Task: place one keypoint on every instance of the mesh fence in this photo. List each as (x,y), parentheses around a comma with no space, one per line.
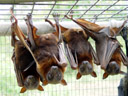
(86,86)
(99,10)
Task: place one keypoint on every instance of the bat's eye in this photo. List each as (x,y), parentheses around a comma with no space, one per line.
(58,76)
(50,77)
(117,70)
(82,69)
(90,68)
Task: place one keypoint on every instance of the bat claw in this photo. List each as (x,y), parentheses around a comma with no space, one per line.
(68,17)
(46,20)
(56,16)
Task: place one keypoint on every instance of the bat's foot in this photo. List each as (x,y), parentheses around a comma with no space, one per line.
(56,16)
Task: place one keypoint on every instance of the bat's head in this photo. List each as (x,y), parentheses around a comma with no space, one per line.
(85,68)
(31,82)
(54,75)
(112,68)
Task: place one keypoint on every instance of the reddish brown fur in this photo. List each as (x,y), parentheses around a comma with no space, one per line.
(46,47)
(116,57)
(96,28)
(21,61)
(77,40)
(113,31)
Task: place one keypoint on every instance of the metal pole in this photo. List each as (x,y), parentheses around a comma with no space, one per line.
(123,87)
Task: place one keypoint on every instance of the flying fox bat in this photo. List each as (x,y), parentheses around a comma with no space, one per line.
(27,79)
(80,53)
(48,55)
(108,49)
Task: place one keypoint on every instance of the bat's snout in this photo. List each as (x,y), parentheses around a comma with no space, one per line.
(31,82)
(85,68)
(113,68)
(54,75)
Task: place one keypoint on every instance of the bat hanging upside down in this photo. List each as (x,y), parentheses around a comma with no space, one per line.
(46,51)
(79,51)
(28,79)
(108,48)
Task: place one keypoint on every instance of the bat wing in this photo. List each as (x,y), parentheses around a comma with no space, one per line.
(70,57)
(108,52)
(62,59)
(31,31)
(90,28)
(105,31)
(93,53)
(124,58)
(62,56)
(18,72)
(21,36)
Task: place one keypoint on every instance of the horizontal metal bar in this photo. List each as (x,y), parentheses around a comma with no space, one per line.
(67,4)
(61,10)
(61,18)
(20,1)
(72,14)
(43,27)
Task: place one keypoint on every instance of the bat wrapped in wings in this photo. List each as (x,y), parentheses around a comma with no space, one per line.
(28,78)
(79,51)
(46,52)
(108,48)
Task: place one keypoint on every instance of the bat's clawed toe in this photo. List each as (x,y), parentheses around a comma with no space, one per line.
(67,17)
(56,16)
(46,20)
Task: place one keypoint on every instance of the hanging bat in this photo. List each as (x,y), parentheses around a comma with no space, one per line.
(80,53)
(46,53)
(27,79)
(108,48)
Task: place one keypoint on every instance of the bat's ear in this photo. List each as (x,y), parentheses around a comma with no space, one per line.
(78,75)
(23,89)
(105,75)
(40,88)
(94,74)
(45,82)
(63,82)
